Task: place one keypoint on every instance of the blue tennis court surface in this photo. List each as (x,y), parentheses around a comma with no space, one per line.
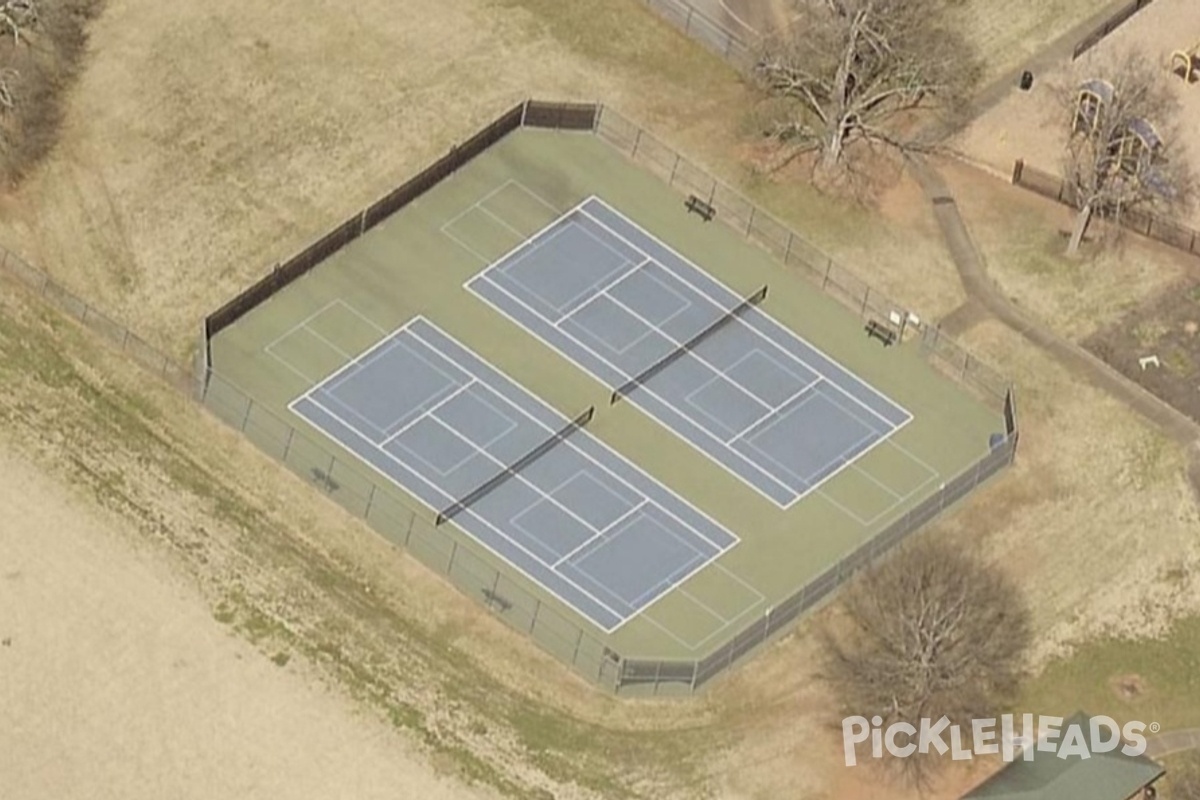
(754,396)
(583,522)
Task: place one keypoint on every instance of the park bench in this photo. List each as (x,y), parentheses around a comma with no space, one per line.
(705,210)
(877,330)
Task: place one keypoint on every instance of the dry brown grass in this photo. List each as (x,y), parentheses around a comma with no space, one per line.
(1022,238)
(207,140)
(1033,125)
(45,57)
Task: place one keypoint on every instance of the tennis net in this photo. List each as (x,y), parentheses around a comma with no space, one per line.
(524,461)
(688,346)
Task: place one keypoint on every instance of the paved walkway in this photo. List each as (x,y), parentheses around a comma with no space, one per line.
(1172,742)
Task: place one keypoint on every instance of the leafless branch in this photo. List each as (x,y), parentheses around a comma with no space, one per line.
(1122,122)
(930,632)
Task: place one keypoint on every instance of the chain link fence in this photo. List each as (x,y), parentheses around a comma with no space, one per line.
(770,233)
(316,460)
(739,50)
(324,465)
(110,331)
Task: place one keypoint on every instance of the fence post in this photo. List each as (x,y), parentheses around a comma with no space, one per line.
(370,502)
(750,222)
(246,417)
(866,296)
(828,266)
(1018,168)
(787,250)
(687,23)
(578,642)
(408,534)
(637,139)
(287,448)
(537,607)
(674,167)
(453,553)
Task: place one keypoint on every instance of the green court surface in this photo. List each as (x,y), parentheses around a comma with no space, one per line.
(416,262)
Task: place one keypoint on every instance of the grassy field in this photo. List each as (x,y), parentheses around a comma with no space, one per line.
(207,141)
(409,266)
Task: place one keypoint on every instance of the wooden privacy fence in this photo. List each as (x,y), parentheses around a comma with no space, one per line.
(1169,232)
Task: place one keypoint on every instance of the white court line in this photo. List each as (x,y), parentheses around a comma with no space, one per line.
(307,379)
(622,619)
(481,519)
(479,205)
(836,459)
(516,475)
(301,324)
(787,353)
(650,331)
(466,247)
(624,273)
(505,269)
(429,411)
(601,533)
(626,376)
(693,646)
(778,325)
(773,411)
(702,604)
(875,480)
(493,263)
(534,195)
(617,455)
(492,193)
(719,373)
(869,523)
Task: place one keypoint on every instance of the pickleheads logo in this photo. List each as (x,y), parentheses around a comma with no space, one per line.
(1038,734)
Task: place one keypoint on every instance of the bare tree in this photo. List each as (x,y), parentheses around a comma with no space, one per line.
(1123,119)
(929,633)
(856,70)
(17,16)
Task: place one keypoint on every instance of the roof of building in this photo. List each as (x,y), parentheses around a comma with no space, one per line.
(1102,776)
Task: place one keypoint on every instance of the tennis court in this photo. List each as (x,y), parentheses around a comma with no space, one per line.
(531,486)
(641,532)
(713,368)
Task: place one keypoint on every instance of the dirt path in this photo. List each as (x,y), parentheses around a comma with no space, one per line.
(984,295)
(116,682)
(1167,744)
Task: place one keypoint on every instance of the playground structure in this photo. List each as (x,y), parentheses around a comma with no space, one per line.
(1186,63)
(1134,147)
(1093,96)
